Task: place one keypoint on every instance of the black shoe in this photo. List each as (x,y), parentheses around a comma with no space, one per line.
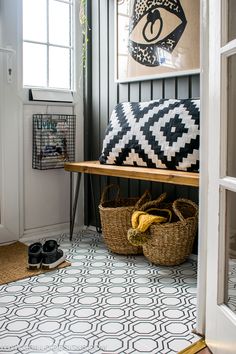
(52,256)
(35,255)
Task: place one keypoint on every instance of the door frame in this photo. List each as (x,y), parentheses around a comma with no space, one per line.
(9,159)
(204,175)
(220,322)
(11,133)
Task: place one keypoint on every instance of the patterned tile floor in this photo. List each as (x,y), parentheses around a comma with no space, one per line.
(103,303)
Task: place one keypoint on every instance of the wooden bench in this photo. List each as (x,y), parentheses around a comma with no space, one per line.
(141,173)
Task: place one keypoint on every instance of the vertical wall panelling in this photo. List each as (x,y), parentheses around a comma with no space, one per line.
(157,93)
(145,95)
(145,91)
(104,69)
(157,89)
(194,86)
(111,65)
(105,93)
(182,91)
(97,68)
(195,93)
(87,80)
(169,92)
(124,97)
(113,87)
(134,96)
(104,78)
(170,87)
(182,87)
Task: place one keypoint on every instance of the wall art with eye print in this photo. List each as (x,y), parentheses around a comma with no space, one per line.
(156,38)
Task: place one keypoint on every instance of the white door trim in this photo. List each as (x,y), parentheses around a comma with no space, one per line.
(220,320)
(10,120)
(9,228)
(203,199)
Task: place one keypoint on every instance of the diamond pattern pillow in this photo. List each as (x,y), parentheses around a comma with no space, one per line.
(160,134)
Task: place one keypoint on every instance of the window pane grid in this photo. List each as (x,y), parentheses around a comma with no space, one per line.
(49,44)
(61,53)
(65,1)
(71,69)
(72,40)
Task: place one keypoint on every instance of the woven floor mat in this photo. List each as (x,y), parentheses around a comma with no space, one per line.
(13,263)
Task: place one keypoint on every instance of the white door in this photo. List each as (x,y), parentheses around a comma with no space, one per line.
(10,149)
(9,157)
(221,238)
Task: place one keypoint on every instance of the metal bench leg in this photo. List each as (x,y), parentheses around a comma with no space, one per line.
(98,228)
(73,204)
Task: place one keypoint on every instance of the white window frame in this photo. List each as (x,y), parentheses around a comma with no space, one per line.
(49,93)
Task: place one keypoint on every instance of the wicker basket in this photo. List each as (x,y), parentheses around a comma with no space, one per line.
(171,243)
(116,220)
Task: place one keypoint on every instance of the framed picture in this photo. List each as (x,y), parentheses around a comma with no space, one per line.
(155,39)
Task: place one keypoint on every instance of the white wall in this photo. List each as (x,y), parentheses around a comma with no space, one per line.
(45,192)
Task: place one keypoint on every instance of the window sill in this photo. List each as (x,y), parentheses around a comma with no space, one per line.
(48,95)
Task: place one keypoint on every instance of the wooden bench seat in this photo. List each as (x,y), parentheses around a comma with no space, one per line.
(141,173)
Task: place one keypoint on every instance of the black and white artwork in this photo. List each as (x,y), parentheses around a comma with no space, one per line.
(156,38)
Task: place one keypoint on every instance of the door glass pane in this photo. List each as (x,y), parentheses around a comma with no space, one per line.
(59,23)
(35,64)
(231,126)
(59,67)
(231,20)
(230,257)
(35,20)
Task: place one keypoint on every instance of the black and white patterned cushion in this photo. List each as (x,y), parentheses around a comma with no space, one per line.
(162,133)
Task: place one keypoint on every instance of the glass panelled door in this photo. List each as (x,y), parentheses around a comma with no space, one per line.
(229,188)
(221,262)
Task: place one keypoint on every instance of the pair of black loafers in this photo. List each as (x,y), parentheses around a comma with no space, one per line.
(47,256)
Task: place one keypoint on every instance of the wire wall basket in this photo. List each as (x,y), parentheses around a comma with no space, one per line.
(53,140)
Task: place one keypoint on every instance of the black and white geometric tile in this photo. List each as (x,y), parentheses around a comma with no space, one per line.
(103,303)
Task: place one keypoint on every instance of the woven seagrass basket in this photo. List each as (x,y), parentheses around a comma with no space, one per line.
(171,243)
(116,220)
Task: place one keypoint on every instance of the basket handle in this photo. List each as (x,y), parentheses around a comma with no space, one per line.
(106,189)
(167,211)
(146,196)
(186,201)
(153,203)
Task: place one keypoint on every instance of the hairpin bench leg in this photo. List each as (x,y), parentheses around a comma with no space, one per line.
(73,201)
(98,228)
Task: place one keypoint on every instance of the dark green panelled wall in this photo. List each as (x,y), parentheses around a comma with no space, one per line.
(102,94)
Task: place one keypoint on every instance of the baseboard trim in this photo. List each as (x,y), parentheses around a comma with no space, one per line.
(194,348)
(90,228)
(194,257)
(48,232)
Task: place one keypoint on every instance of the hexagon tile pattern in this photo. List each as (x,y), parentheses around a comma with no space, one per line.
(103,303)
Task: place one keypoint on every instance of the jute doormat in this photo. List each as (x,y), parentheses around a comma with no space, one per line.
(13,263)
